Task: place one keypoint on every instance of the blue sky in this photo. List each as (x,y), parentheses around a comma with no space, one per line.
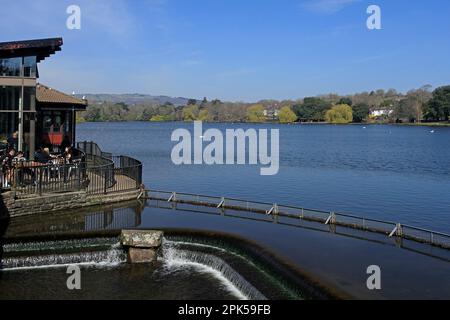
(240,50)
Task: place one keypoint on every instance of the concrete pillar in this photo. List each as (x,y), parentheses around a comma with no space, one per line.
(142,245)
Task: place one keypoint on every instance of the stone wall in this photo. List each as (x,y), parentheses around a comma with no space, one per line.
(57,202)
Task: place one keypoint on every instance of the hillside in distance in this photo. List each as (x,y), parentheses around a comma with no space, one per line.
(134,99)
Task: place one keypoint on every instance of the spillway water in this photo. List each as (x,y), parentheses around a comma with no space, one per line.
(214,266)
(111,257)
(175,257)
(100,251)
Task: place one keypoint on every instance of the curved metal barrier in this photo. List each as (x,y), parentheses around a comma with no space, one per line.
(276,211)
(108,173)
(28,178)
(92,170)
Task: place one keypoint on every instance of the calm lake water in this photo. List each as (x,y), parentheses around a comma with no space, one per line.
(396,173)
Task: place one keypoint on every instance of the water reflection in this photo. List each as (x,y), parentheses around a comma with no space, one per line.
(115,217)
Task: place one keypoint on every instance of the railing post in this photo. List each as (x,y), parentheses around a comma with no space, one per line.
(398,231)
(41,174)
(331,219)
(173,197)
(13,184)
(106,181)
(274,210)
(222,203)
(78,176)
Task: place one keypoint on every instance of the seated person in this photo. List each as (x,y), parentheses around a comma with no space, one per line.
(7,166)
(43,155)
(39,156)
(68,155)
(13,141)
(65,143)
(21,165)
(8,160)
(19,158)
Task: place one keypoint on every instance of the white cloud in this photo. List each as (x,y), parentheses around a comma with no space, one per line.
(327,6)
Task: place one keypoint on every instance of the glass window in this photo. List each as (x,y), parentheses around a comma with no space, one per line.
(47,122)
(29,99)
(10,98)
(67,122)
(58,122)
(10,67)
(29,67)
(9,123)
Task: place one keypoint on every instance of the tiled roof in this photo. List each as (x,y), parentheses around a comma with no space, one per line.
(45,94)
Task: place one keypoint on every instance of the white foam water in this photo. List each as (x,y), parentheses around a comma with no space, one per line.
(107,258)
(175,258)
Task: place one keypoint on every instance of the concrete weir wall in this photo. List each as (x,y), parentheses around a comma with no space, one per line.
(56,202)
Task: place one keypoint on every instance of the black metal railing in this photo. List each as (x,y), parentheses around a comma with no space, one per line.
(34,178)
(92,170)
(108,173)
(91,149)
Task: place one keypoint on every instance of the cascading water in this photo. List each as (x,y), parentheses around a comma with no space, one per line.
(212,263)
(176,257)
(106,252)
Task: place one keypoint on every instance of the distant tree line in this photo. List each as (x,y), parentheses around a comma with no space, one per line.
(383,106)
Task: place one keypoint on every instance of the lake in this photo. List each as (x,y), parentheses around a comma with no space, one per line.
(396,173)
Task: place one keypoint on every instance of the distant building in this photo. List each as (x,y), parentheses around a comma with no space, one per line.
(41,115)
(379,113)
(271,113)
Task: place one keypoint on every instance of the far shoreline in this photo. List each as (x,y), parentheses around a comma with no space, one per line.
(422,124)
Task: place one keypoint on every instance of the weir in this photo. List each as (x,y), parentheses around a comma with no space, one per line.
(45,254)
(174,256)
(241,275)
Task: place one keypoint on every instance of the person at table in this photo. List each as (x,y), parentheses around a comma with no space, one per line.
(19,158)
(13,141)
(40,157)
(68,155)
(21,165)
(65,143)
(43,156)
(7,167)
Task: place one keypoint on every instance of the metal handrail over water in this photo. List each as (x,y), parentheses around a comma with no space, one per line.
(388,228)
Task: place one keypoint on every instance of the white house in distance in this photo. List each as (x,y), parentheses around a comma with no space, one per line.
(377,113)
(271,113)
